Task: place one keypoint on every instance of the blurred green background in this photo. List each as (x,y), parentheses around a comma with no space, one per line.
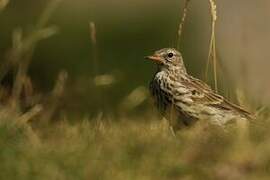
(126,32)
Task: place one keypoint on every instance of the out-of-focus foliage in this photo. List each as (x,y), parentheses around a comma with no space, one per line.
(132,149)
(3,4)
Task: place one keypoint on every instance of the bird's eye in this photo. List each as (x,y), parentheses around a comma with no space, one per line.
(170,55)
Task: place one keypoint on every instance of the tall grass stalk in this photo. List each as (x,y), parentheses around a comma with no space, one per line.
(181,24)
(93,38)
(56,94)
(212,57)
(98,79)
(47,13)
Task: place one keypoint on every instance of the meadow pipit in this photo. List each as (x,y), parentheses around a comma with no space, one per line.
(183,99)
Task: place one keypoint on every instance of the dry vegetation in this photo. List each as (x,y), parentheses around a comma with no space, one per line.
(102,148)
(132,150)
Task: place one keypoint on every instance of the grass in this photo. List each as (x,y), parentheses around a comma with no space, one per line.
(122,147)
(181,24)
(212,57)
(131,149)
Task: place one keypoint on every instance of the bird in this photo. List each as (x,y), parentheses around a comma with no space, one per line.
(183,99)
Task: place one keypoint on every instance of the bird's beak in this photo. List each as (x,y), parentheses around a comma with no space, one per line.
(154,58)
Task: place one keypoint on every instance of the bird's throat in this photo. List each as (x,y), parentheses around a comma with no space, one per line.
(176,71)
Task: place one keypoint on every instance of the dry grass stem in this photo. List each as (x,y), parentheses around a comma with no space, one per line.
(104,80)
(23,52)
(93,37)
(212,58)
(99,80)
(54,100)
(13,54)
(181,25)
(47,13)
(30,114)
(134,99)
(60,84)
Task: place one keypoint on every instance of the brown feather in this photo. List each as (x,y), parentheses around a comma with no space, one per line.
(214,99)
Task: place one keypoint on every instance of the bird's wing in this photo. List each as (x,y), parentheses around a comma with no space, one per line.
(201,92)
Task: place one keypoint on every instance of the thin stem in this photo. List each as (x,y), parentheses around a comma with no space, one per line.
(95,68)
(181,24)
(93,36)
(47,13)
(215,64)
(56,95)
(212,47)
(209,56)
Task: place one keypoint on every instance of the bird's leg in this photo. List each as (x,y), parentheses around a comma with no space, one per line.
(173,131)
(173,121)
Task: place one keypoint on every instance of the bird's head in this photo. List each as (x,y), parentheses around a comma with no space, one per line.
(168,59)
